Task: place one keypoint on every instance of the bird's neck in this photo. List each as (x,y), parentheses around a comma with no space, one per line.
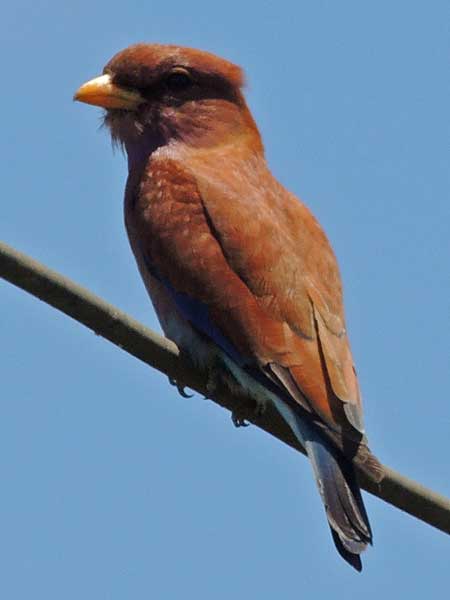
(211,123)
(205,126)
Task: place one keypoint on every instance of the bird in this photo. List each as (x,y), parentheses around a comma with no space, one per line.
(241,274)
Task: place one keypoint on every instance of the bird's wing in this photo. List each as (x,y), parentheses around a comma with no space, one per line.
(250,267)
(278,249)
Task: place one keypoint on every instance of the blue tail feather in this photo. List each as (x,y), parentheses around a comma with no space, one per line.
(338,489)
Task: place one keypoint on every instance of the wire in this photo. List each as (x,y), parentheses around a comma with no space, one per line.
(162,354)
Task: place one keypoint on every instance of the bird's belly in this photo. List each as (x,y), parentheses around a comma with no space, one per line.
(177,328)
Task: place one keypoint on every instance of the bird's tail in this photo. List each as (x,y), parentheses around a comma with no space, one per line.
(341,496)
(338,488)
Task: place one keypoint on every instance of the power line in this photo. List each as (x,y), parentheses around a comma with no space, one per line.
(162,354)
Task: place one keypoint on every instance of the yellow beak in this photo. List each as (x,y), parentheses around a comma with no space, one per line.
(101,91)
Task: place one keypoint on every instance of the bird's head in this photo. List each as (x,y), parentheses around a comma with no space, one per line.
(159,94)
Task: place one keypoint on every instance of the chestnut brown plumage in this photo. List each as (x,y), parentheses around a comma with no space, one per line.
(241,274)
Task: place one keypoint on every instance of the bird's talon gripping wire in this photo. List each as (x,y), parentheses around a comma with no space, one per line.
(180,387)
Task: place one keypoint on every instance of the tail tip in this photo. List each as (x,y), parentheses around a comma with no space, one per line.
(351,558)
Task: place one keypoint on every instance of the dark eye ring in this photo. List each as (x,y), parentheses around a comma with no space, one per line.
(178,80)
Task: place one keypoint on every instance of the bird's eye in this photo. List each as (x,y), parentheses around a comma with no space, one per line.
(178,80)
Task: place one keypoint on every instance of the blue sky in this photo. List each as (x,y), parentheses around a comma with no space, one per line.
(112,486)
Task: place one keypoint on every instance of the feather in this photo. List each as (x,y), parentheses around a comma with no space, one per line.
(338,488)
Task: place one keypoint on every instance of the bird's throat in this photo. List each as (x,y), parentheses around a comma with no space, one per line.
(140,148)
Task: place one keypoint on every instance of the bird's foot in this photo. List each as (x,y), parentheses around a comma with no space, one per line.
(241,416)
(260,408)
(214,380)
(239,420)
(180,387)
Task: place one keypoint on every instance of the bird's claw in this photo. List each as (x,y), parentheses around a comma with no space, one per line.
(241,416)
(239,420)
(180,387)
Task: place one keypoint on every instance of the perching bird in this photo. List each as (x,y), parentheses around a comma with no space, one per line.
(241,275)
